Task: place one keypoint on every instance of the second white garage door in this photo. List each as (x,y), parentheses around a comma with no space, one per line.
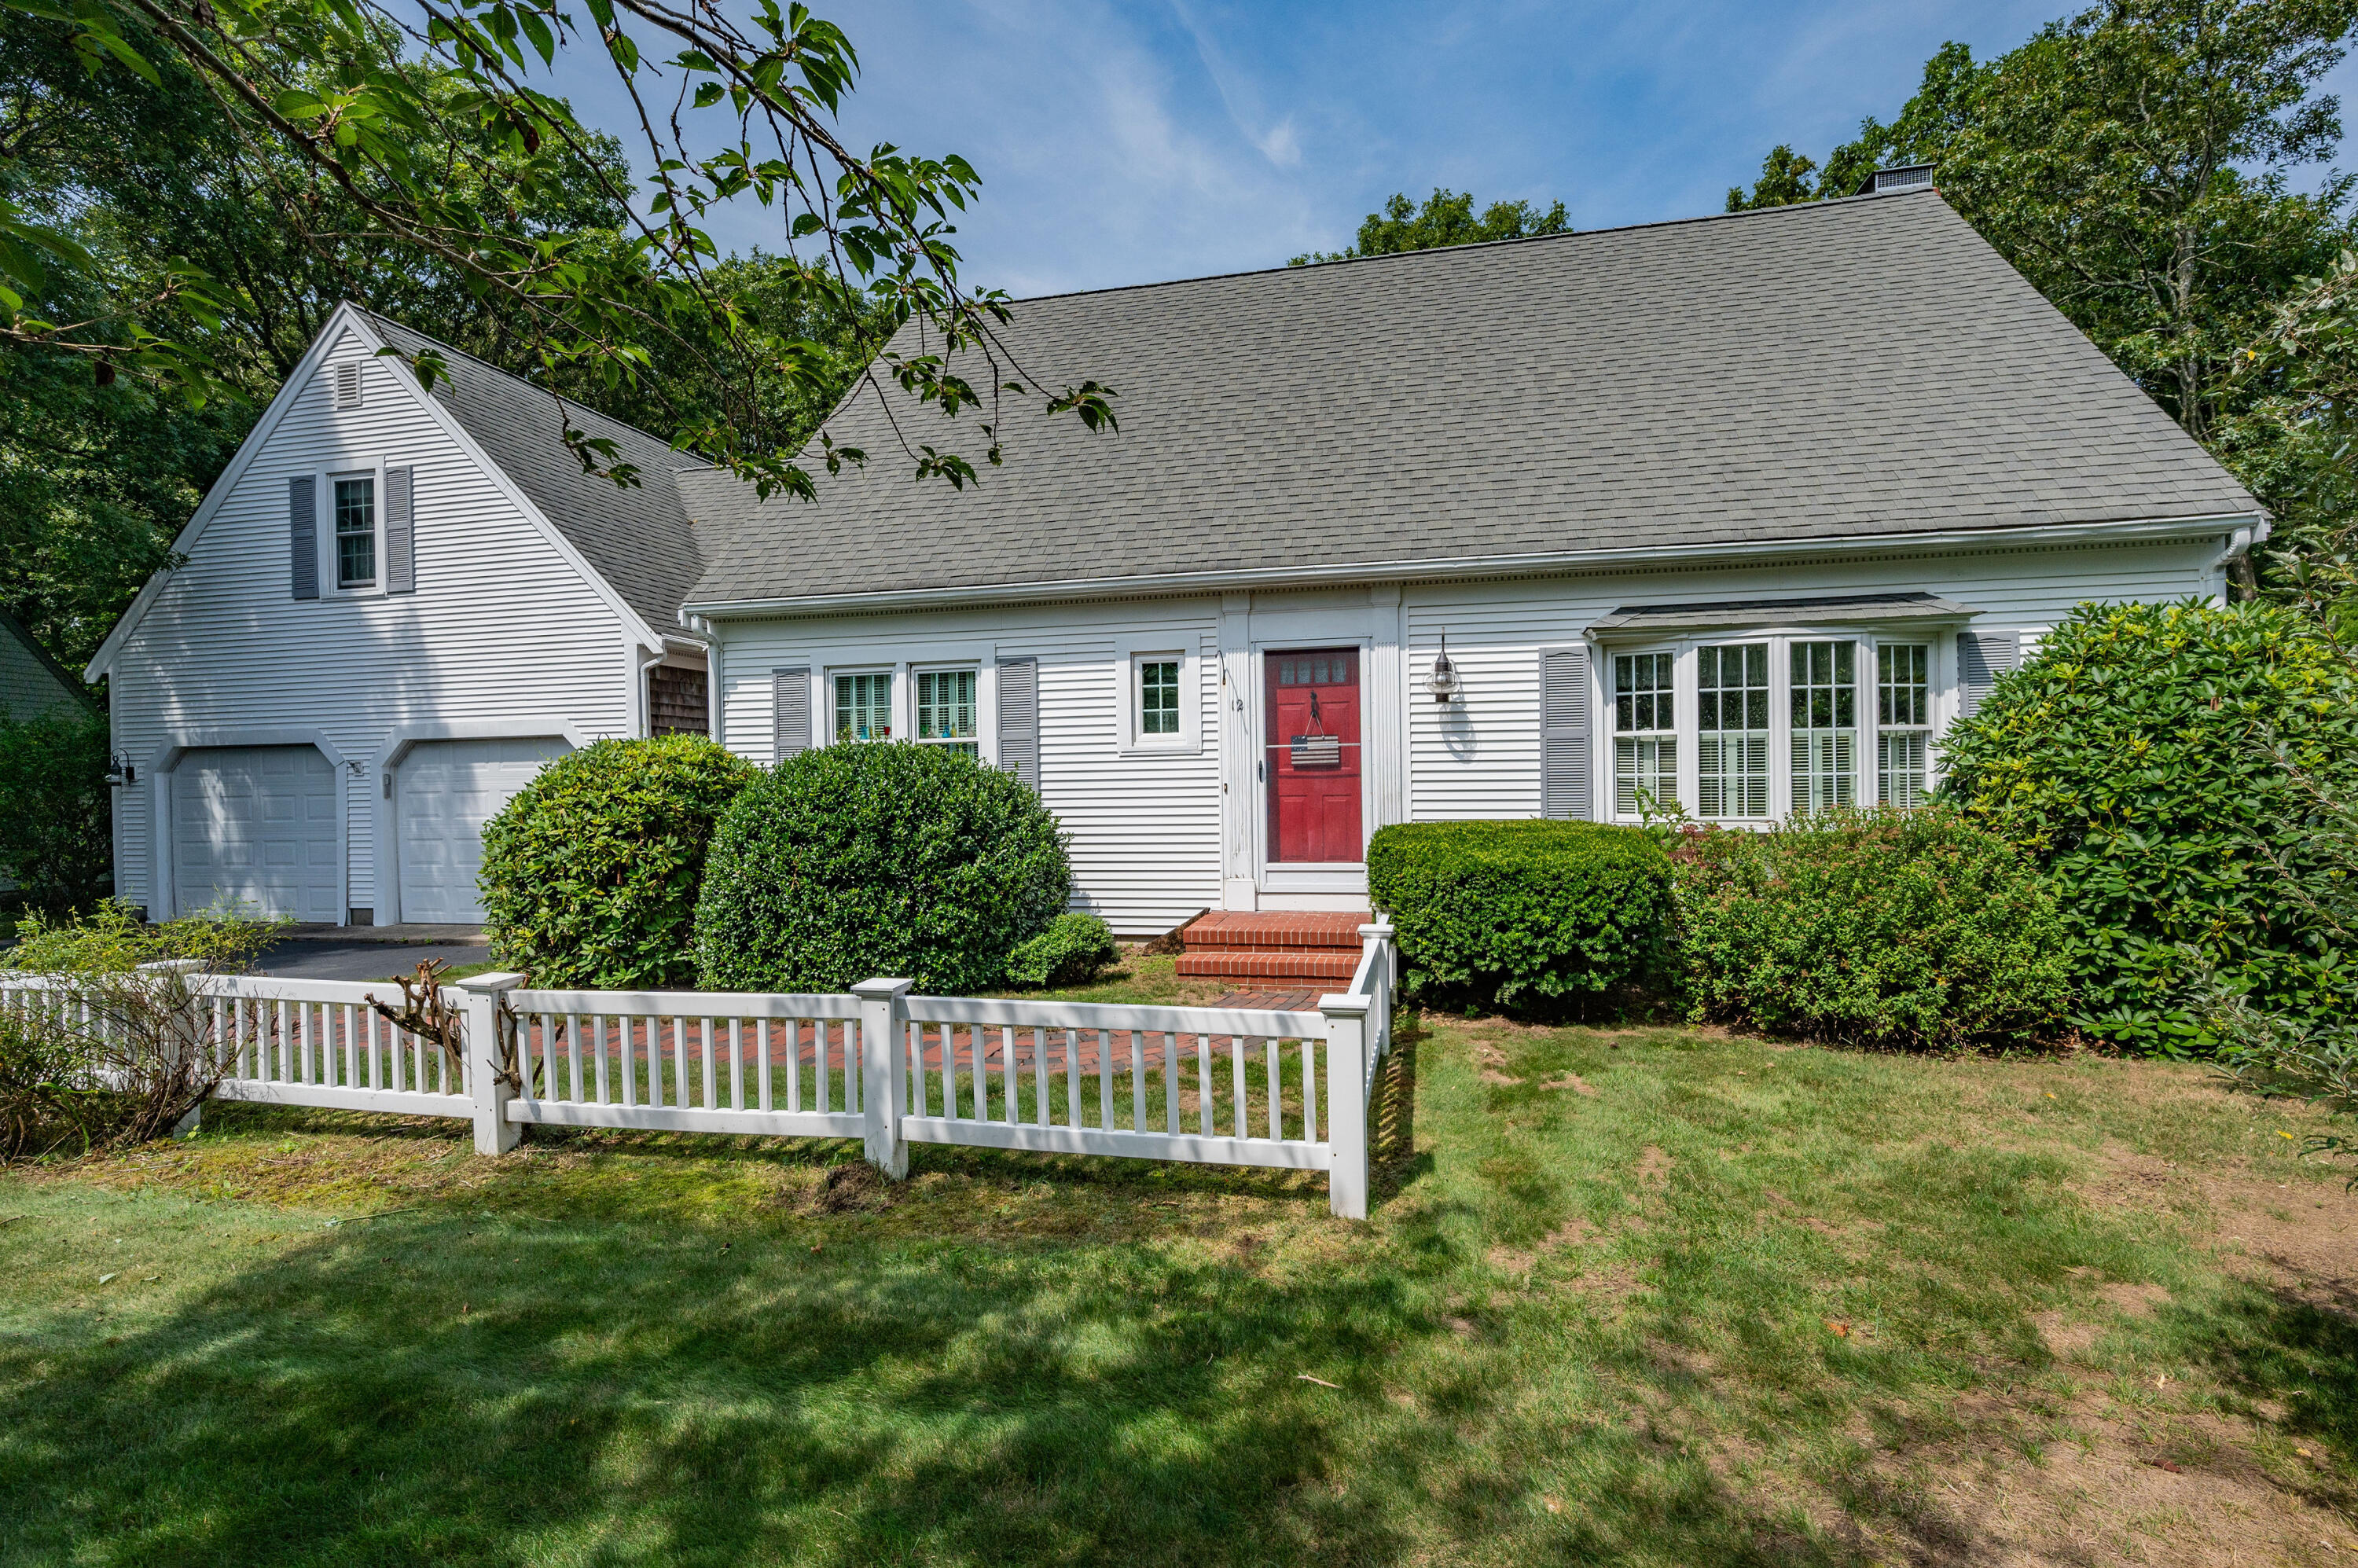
(444,791)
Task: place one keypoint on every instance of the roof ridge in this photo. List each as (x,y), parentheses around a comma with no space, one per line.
(1787,206)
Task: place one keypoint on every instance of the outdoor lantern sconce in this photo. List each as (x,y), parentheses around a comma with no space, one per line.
(119,772)
(1443,683)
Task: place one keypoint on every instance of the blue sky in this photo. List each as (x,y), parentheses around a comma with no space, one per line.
(1129,143)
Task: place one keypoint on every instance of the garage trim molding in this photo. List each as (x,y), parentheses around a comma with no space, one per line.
(398,743)
(178,743)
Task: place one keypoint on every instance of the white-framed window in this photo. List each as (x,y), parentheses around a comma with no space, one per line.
(352,504)
(948,708)
(1645,731)
(1731,731)
(1903,722)
(863,705)
(1821,689)
(1158,692)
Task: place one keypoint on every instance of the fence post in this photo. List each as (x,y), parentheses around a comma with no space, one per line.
(884,1070)
(486,1067)
(1347,1103)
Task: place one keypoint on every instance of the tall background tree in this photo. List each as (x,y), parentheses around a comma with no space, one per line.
(2136,163)
(1446,218)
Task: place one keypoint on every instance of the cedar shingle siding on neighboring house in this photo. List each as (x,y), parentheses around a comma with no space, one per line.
(1740,511)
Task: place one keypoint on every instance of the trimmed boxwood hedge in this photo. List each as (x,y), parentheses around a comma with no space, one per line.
(870,859)
(591,872)
(1520,913)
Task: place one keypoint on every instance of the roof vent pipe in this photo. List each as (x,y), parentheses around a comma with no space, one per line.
(1901,177)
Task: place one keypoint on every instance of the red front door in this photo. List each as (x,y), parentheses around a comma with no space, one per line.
(1311,768)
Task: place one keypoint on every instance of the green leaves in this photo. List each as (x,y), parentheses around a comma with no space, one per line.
(1912,929)
(1522,914)
(2158,764)
(884,858)
(423,133)
(590,873)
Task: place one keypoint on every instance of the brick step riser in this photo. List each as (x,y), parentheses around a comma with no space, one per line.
(1234,966)
(1249,944)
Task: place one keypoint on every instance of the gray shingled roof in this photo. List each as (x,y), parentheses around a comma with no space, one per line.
(1823,371)
(638,538)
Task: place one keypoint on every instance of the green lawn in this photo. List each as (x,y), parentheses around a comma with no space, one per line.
(1653,1296)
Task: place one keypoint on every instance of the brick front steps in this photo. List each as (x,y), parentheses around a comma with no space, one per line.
(1318,947)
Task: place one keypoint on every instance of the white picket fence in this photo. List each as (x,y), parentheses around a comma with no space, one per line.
(1205,1086)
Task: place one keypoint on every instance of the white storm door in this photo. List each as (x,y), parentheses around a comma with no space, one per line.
(254,828)
(444,791)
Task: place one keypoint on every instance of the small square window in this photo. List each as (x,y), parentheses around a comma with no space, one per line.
(356,532)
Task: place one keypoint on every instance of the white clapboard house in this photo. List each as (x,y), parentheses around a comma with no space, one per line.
(1740,511)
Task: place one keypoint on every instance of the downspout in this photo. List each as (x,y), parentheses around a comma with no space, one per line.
(643,715)
(2235,561)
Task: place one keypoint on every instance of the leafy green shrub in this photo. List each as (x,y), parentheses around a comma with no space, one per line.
(861,859)
(123,1063)
(56,842)
(1893,928)
(2157,763)
(1522,914)
(1069,953)
(591,874)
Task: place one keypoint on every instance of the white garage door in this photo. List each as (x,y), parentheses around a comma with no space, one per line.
(444,791)
(256,826)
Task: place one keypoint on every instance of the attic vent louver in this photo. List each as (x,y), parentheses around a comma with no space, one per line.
(1906,176)
(346,379)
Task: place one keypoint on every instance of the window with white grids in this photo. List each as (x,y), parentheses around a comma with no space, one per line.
(1158,695)
(945,709)
(1903,718)
(864,706)
(1823,690)
(356,532)
(1732,730)
(1645,733)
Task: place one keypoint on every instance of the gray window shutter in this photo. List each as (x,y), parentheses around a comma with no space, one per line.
(1019,718)
(303,537)
(1564,758)
(789,713)
(400,532)
(1982,657)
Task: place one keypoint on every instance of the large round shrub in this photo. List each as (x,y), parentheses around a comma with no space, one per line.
(862,859)
(1893,928)
(2141,762)
(1521,913)
(590,873)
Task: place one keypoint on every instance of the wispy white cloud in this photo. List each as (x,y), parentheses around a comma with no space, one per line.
(1120,142)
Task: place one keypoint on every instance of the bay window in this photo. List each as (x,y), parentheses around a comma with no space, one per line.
(1748,721)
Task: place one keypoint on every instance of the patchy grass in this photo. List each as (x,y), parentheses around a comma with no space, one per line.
(1645,1296)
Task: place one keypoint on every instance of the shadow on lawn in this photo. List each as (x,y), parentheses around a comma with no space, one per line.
(419,1390)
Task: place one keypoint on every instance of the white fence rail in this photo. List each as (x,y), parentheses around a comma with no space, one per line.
(1209,1086)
